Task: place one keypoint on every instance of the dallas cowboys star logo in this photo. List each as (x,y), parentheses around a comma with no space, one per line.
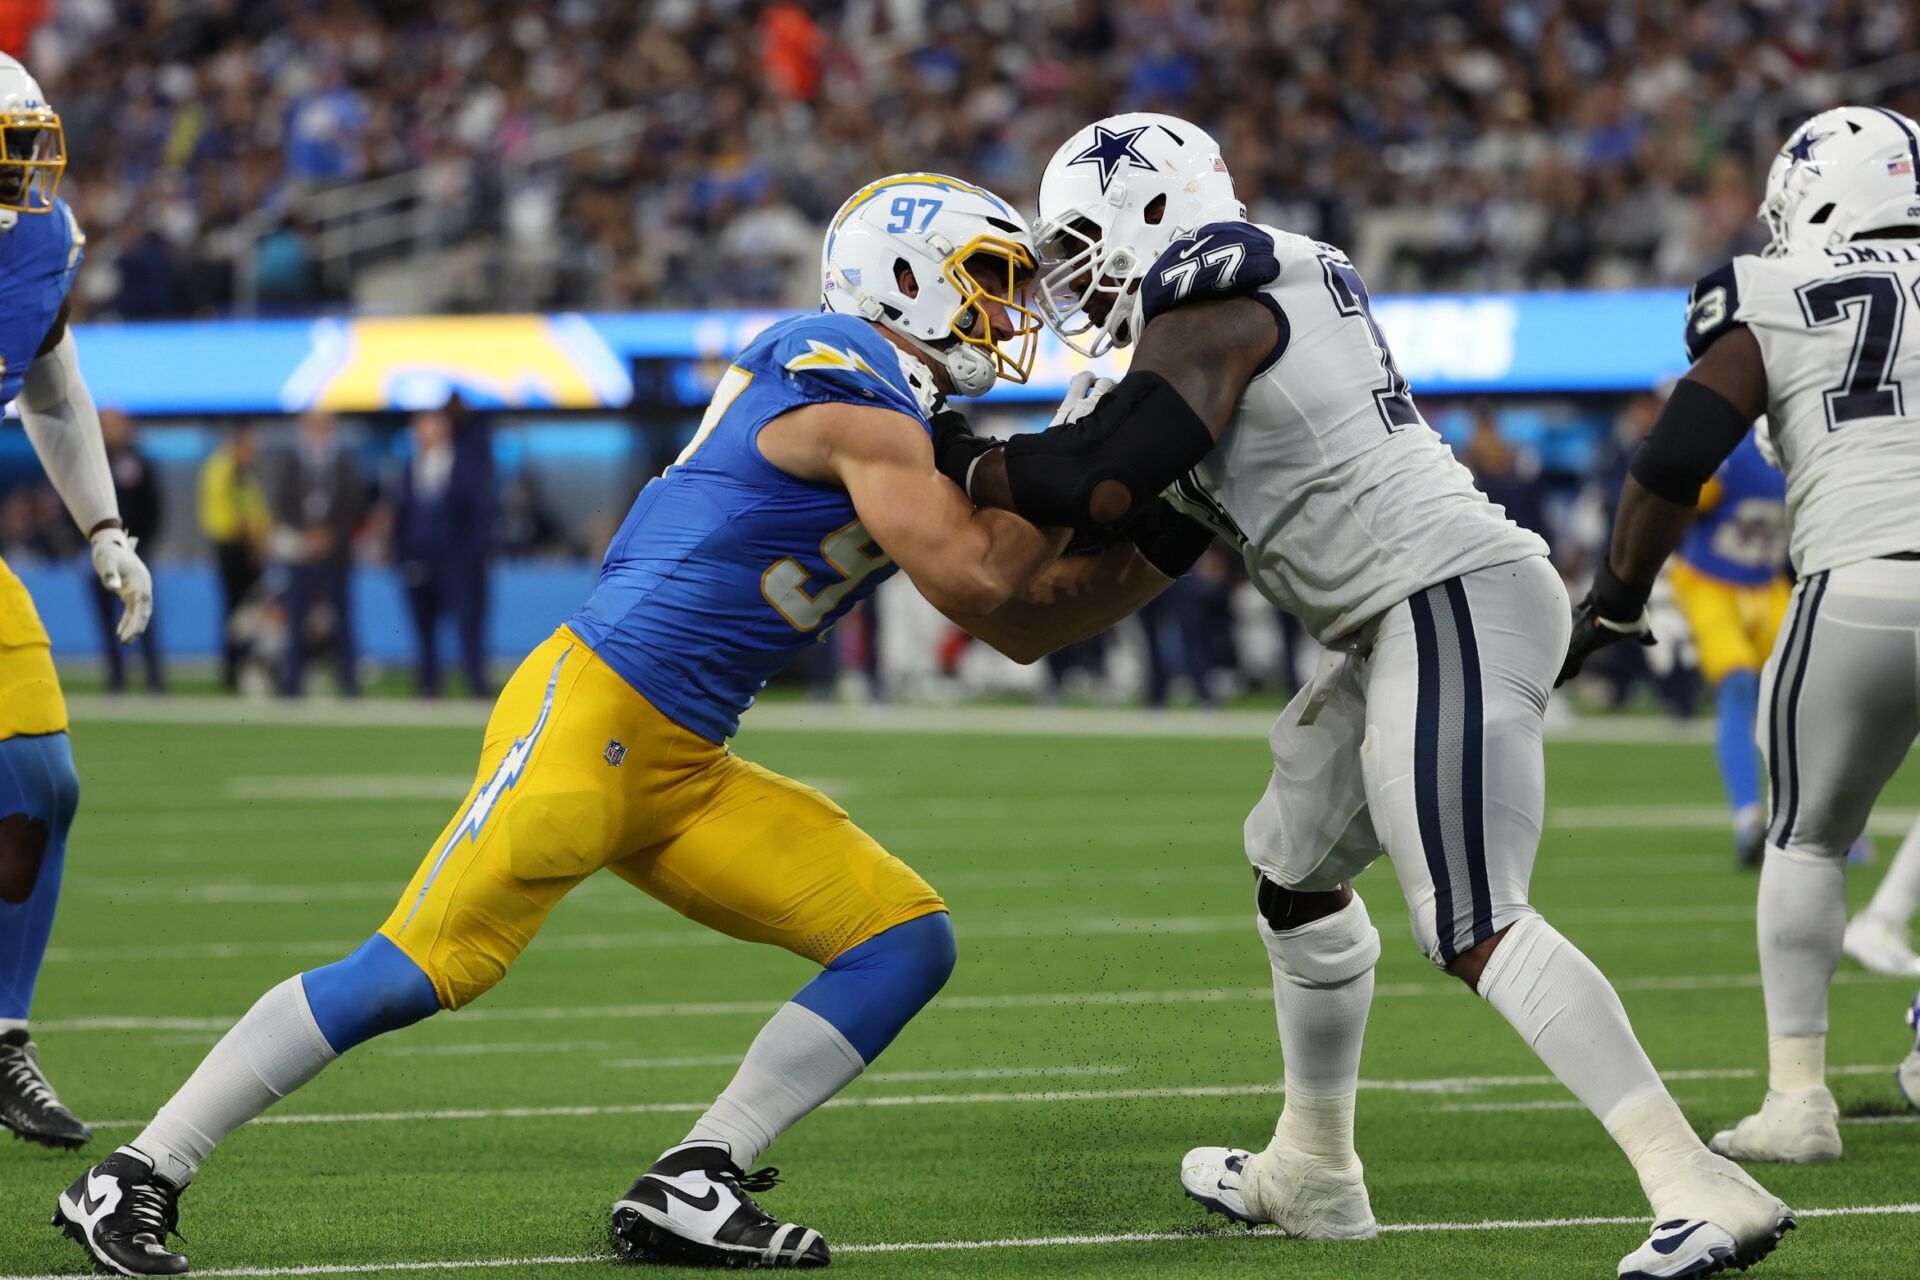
(1803,149)
(1111,150)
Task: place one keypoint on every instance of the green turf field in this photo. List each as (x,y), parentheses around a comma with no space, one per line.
(1111,1010)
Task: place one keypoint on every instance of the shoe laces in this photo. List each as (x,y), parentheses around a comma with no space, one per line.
(153,1208)
(22,1070)
(759,1180)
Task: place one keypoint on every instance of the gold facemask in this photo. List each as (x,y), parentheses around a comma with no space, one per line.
(1013,356)
(33,155)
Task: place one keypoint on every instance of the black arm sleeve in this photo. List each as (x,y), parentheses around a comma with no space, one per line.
(1696,430)
(1142,434)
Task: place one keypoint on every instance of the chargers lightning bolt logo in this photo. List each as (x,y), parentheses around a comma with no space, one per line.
(1111,150)
(505,774)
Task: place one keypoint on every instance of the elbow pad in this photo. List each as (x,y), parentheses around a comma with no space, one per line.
(1696,430)
(1142,434)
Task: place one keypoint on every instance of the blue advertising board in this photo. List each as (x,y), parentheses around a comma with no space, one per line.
(1446,344)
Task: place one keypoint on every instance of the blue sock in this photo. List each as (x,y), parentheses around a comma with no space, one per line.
(1739,703)
(872,991)
(37,780)
(375,990)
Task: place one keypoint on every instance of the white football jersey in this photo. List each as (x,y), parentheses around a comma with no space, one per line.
(1340,497)
(1843,388)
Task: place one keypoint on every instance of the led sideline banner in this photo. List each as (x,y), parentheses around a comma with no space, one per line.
(1445,344)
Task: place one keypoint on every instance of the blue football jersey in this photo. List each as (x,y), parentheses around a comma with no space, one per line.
(727,568)
(38,259)
(1741,534)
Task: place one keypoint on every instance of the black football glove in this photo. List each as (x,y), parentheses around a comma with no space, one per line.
(956,448)
(1613,611)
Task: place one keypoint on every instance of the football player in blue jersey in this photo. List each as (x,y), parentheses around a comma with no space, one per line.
(1730,580)
(40,249)
(810,480)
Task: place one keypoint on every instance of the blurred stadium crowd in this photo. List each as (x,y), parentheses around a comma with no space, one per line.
(607,154)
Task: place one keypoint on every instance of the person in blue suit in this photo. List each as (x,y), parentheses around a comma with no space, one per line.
(444,510)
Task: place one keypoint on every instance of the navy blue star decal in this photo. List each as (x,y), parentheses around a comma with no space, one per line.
(1803,149)
(1111,150)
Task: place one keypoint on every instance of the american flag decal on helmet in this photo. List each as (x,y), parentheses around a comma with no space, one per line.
(616,751)
(1899,168)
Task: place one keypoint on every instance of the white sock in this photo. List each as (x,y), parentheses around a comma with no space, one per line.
(1899,893)
(12,1024)
(273,1050)
(1568,1012)
(1322,991)
(797,1062)
(1802,920)
(1795,1063)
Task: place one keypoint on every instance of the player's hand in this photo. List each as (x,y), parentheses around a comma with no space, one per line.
(1612,611)
(1083,394)
(122,572)
(956,448)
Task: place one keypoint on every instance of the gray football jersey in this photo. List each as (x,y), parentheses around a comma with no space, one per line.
(1340,497)
(1843,389)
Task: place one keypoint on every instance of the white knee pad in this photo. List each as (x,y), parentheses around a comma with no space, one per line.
(1330,952)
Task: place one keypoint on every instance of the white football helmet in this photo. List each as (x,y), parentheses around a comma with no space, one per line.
(33,147)
(1847,170)
(1111,200)
(947,231)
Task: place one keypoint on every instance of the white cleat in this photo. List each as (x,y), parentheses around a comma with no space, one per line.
(1306,1197)
(1907,1075)
(1880,947)
(1802,1127)
(1712,1216)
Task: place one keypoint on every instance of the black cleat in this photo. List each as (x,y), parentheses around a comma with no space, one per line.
(692,1208)
(28,1105)
(121,1212)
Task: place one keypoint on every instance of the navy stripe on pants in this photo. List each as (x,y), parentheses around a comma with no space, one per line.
(1449,769)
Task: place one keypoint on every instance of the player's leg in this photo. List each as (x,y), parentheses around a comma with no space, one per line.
(1306,837)
(1717,614)
(38,793)
(1880,937)
(1841,710)
(538,820)
(767,859)
(1457,691)
(1907,1076)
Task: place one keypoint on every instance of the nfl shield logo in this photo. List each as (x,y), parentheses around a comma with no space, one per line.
(616,751)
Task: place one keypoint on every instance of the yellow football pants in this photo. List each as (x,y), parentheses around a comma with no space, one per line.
(30,698)
(1733,626)
(579,772)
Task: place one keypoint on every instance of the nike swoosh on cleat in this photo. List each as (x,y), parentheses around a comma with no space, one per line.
(91,1201)
(1668,1244)
(702,1203)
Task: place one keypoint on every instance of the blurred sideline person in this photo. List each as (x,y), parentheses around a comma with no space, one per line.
(809,481)
(1730,581)
(41,245)
(236,520)
(320,501)
(1809,334)
(1263,401)
(443,520)
(138,495)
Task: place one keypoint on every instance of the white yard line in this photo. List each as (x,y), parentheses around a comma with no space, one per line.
(1440,1085)
(1011,1242)
(949,1004)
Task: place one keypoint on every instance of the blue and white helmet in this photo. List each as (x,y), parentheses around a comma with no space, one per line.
(947,231)
(33,147)
(1847,170)
(1112,199)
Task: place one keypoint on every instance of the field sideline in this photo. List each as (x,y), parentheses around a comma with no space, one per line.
(1111,1009)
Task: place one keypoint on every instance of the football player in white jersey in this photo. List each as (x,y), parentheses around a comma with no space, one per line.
(1263,401)
(1813,334)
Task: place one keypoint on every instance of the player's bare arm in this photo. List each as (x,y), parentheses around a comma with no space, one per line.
(1710,410)
(1073,599)
(962,560)
(1191,367)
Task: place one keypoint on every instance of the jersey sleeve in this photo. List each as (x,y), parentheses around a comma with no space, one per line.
(1713,309)
(1220,260)
(831,361)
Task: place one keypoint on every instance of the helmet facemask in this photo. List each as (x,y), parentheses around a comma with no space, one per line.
(33,155)
(980,354)
(1080,262)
